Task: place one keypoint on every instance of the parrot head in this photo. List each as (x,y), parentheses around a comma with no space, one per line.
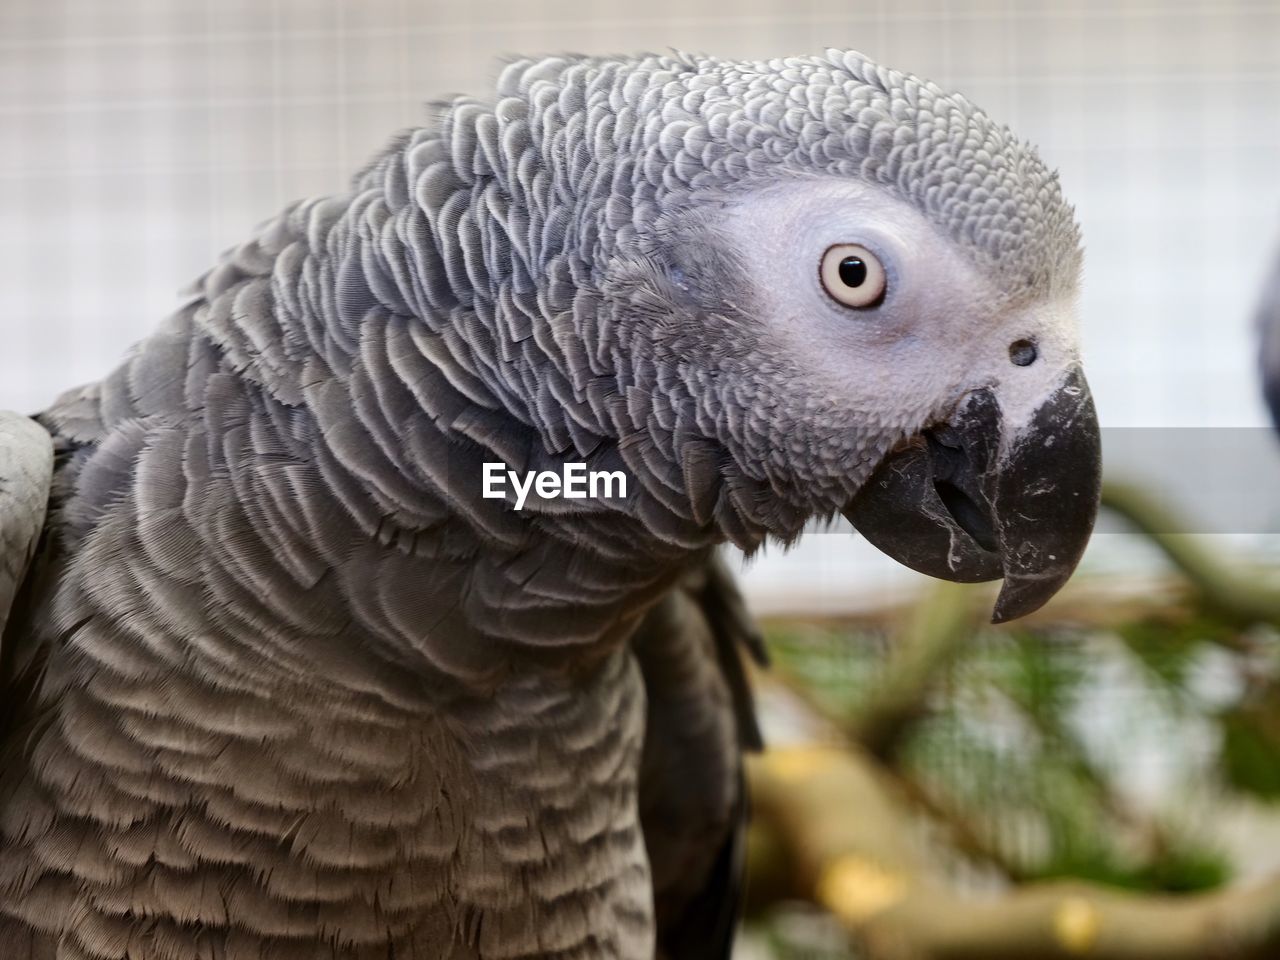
(814,287)
(950,393)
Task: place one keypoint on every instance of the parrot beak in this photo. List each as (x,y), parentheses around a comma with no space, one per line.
(961,501)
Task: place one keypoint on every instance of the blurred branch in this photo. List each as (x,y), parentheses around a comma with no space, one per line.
(937,630)
(1057,737)
(960,832)
(835,825)
(935,633)
(1225,586)
(938,627)
(848,847)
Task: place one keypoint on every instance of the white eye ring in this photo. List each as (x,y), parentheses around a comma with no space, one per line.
(852,275)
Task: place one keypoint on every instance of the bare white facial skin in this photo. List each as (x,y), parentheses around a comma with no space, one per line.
(940,329)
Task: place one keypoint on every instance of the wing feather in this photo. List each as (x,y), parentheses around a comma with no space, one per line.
(701,719)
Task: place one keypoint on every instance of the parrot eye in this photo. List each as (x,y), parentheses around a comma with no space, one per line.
(852,275)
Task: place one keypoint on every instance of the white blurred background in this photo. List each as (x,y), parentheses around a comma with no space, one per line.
(138,138)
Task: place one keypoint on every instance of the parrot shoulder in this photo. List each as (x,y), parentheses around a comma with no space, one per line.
(26,473)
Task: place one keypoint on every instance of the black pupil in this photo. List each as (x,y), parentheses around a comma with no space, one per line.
(853,271)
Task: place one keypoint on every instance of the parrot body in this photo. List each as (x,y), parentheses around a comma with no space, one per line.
(280,683)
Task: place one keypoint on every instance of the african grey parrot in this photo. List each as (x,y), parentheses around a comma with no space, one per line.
(281,683)
(1268,319)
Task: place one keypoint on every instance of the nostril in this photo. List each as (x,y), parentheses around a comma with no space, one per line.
(1023,353)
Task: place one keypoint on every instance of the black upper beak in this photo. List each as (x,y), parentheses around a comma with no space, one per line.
(957,503)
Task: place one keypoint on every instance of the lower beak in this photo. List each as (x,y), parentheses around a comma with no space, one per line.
(961,501)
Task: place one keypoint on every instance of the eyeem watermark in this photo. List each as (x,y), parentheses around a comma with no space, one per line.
(574,482)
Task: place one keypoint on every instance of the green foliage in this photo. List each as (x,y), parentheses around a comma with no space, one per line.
(1184,869)
(1169,647)
(839,676)
(1251,749)
(1019,755)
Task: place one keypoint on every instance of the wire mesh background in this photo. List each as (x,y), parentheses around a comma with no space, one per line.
(138,138)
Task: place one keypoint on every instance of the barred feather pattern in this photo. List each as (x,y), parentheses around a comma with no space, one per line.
(300,691)
(272,724)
